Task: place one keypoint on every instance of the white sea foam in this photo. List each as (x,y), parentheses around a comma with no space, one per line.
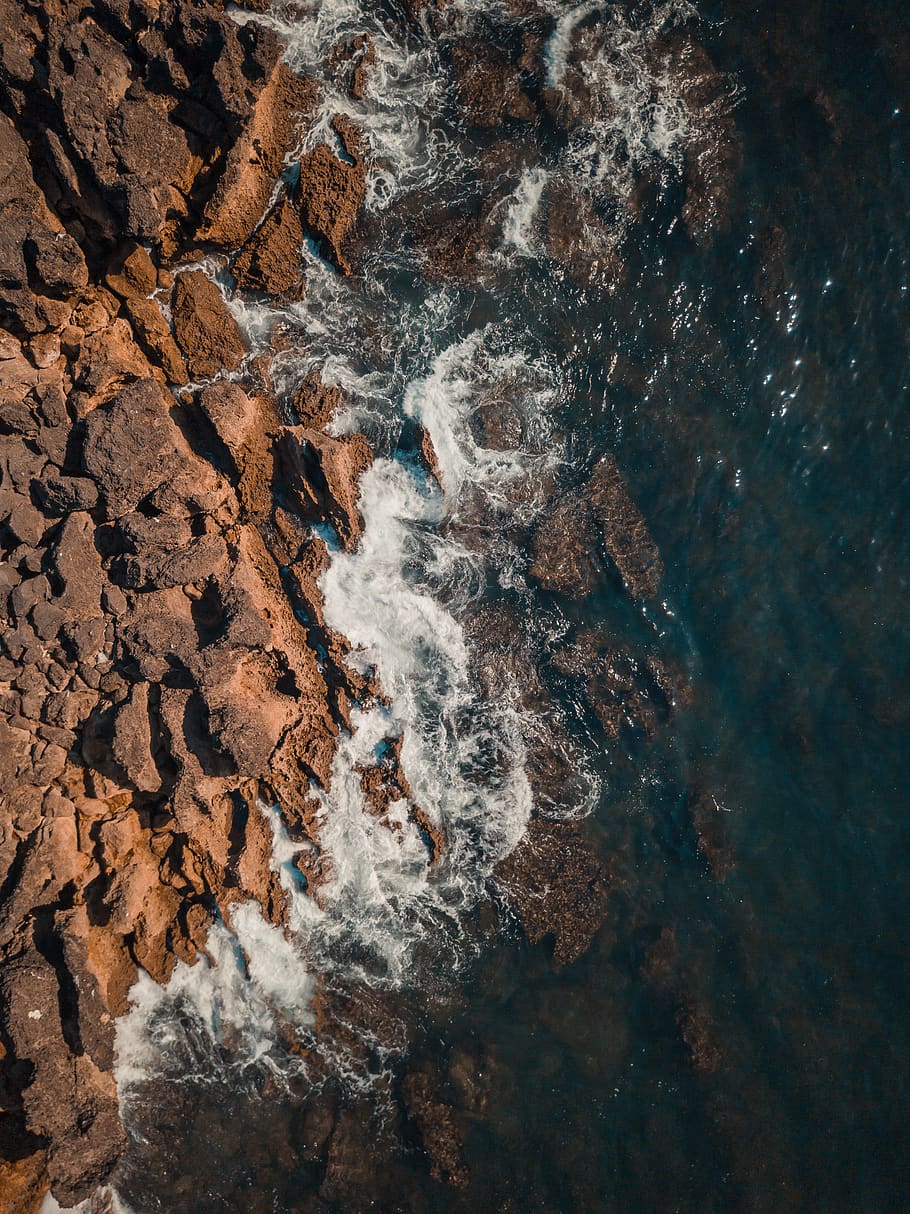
(636,115)
(521,211)
(559,44)
(106,1199)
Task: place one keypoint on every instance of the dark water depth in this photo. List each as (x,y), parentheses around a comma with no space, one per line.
(739,1044)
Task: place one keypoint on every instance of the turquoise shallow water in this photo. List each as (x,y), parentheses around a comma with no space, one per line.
(755,393)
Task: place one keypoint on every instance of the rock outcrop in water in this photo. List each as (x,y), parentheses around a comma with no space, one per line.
(166,671)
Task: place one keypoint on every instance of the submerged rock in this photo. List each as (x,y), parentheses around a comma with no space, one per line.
(558,887)
(625,533)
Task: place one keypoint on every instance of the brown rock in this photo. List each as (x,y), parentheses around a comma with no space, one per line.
(270,260)
(38,256)
(561,548)
(330,193)
(206,331)
(439,1131)
(558,887)
(132,273)
(332,468)
(231,412)
(68,1101)
(429,456)
(59,495)
(625,533)
(154,335)
(257,158)
(132,741)
(109,359)
(129,445)
(77,564)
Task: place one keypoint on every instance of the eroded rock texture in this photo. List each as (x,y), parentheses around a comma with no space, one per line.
(156,683)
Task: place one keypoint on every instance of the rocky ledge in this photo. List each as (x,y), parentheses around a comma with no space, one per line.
(164,664)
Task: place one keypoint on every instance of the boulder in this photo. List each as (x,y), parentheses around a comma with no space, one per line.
(155,336)
(132,273)
(131,745)
(330,193)
(256,160)
(206,331)
(232,414)
(129,446)
(330,470)
(270,260)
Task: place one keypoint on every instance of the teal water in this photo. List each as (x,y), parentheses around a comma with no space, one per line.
(755,393)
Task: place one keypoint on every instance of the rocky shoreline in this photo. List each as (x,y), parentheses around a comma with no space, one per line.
(166,667)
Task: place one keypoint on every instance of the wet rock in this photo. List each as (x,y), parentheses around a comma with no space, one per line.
(488,85)
(625,533)
(206,331)
(561,548)
(330,193)
(697,1031)
(332,468)
(708,816)
(429,456)
(270,260)
(558,886)
(315,403)
(349,64)
(436,1123)
(579,239)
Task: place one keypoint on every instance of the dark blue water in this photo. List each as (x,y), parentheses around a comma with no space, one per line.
(734,1040)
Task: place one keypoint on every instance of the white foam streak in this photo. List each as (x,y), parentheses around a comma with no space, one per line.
(521,211)
(107,1198)
(559,44)
(252,981)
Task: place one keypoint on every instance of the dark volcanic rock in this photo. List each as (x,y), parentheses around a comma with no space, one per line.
(562,546)
(440,1134)
(488,85)
(206,331)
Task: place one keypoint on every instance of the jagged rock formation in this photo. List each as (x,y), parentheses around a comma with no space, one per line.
(165,663)
(155,680)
